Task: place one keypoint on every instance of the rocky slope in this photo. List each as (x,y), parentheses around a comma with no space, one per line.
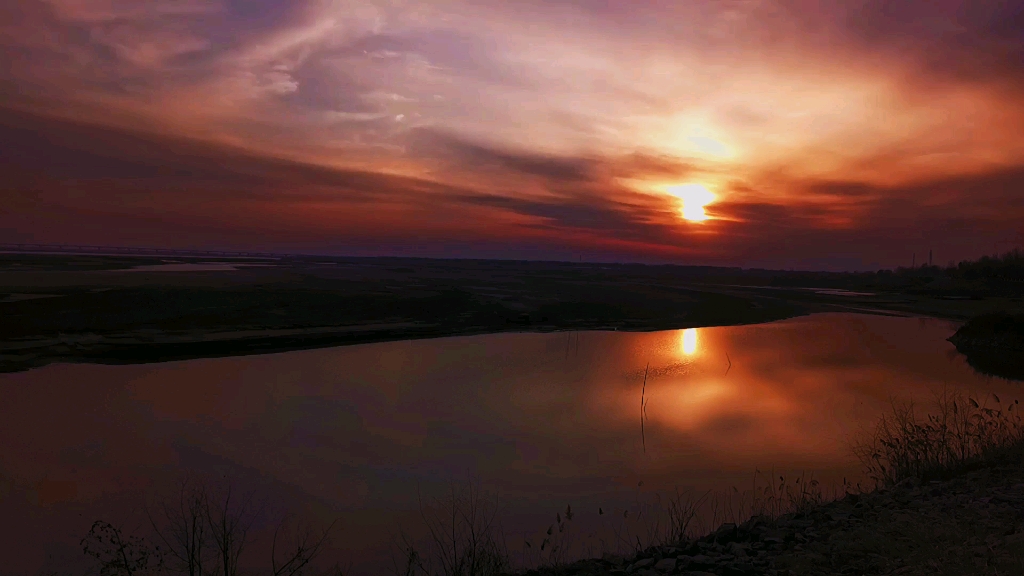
(971,524)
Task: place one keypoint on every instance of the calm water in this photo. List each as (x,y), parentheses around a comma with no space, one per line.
(544,420)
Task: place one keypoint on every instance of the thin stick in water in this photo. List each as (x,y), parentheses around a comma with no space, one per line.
(643,407)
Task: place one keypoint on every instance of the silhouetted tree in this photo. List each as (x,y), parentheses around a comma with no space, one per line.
(229,518)
(306,545)
(185,533)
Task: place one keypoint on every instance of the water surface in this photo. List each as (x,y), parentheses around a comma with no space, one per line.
(544,420)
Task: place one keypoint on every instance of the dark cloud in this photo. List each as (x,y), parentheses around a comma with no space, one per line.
(72,151)
(589,213)
(981,39)
(472,156)
(580,194)
(958,217)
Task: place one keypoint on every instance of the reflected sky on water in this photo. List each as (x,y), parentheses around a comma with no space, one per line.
(542,419)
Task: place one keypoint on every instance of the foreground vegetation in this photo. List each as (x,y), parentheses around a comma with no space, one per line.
(203,529)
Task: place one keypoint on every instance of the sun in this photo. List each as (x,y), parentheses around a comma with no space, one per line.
(695,197)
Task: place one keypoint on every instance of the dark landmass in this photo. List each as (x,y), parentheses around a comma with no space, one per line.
(130,309)
(993,343)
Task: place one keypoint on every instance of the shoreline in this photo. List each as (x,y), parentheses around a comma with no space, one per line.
(993,344)
(124,350)
(968,524)
(147,347)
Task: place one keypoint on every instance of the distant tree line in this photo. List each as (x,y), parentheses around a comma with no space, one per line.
(1008,266)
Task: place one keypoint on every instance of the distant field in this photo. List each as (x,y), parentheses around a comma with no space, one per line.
(126,309)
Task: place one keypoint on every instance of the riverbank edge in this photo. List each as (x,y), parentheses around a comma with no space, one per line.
(151,348)
(970,523)
(993,343)
(148,348)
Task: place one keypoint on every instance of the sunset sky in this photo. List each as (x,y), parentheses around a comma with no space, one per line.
(796,133)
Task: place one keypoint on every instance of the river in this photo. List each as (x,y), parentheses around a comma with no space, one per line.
(541,421)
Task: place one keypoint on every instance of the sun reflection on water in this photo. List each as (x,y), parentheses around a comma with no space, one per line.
(689,341)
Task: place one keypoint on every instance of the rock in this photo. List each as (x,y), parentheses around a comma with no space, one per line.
(665,565)
(700,561)
(698,573)
(737,549)
(639,564)
(726,533)
(693,548)
(613,559)
(739,569)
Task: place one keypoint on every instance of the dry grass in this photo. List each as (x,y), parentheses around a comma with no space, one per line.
(773,495)
(658,518)
(559,544)
(960,433)
(464,537)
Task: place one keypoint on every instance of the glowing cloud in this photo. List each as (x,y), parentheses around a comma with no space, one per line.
(709,146)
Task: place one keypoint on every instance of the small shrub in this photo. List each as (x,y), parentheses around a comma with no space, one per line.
(118,554)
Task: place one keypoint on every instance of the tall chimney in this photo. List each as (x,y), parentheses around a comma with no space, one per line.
(913,263)
(929,257)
